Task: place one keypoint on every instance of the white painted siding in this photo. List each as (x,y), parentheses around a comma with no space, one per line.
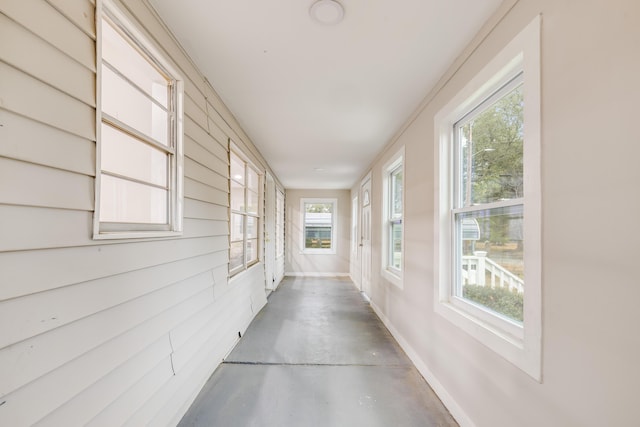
(102,332)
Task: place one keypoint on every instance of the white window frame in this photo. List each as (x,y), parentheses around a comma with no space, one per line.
(389,272)
(334,223)
(519,344)
(109,10)
(354,226)
(258,215)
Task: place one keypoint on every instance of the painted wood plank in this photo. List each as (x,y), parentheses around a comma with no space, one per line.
(33,185)
(32,98)
(217,133)
(95,398)
(121,409)
(45,21)
(213,161)
(202,137)
(54,265)
(26,228)
(119,332)
(25,317)
(35,142)
(202,173)
(80,12)
(194,91)
(202,210)
(45,62)
(194,112)
(173,408)
(32,228)
(205,193)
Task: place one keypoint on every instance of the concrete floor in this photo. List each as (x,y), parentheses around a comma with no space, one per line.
(317,355)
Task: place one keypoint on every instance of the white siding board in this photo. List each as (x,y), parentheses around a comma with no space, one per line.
(80,12)
(33,185)
(202,137)
(35,142)
(32,98)
(205,193)
(45,21)
(45,62)
(95,398)
(202,210)
(28,228)
(203,172)
(199,154)
(194,112)
(121,409)
(124,329)
(194,92)
(21,318)
(217,132)
(24,228)
(95,262)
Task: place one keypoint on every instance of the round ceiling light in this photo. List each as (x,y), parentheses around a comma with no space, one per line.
(327,12)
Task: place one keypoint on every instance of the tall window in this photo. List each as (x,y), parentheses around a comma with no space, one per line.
(393,208)
(488,271)
(319,225)
(139,179)
(245,220)
(279,223)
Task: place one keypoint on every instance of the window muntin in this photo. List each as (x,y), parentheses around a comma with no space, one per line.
(393,218)
(488,204)
(319,220)
(245,221)
(139,182)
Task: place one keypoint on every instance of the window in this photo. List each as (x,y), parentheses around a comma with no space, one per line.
(488,272)
(279,223)
(393,207)
(245,220)
(319,225)
(139,144)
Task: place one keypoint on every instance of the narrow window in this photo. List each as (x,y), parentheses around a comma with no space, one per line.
(139,161)
(279,224)
(487,230)
(245,218)
(393,227)
(319,222)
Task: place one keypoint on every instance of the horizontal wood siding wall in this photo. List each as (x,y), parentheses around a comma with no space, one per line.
(104,333)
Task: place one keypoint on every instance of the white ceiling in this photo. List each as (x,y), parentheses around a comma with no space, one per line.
(323,97)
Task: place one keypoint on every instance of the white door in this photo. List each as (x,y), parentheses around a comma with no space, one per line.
(365,236)
(270,234)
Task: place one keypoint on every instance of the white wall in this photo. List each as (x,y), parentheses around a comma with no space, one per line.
(590,147)
(298,263)
(104,332)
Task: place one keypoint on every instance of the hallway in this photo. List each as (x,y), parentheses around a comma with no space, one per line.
(317,355)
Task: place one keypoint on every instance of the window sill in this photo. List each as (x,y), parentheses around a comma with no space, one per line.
(393,277)
(318,252)
(120,235)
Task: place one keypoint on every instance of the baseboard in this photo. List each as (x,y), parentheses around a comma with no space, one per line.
(449,402)
(303,274)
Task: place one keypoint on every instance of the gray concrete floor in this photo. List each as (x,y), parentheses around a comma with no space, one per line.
(317,356)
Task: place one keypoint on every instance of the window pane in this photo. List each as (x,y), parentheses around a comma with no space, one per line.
(252,179)
(130,106)
(237,227)
(252,202)
(318,222)
(252,227)
(236,255)
(396,193)
(130,202)
(396,245)
(491,262)
(237,196)
(252,250)
(490,149)
(237,169)
(128,156)
(130,62)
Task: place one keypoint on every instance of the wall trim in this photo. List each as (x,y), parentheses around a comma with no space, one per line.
(449,402)
(311,274)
